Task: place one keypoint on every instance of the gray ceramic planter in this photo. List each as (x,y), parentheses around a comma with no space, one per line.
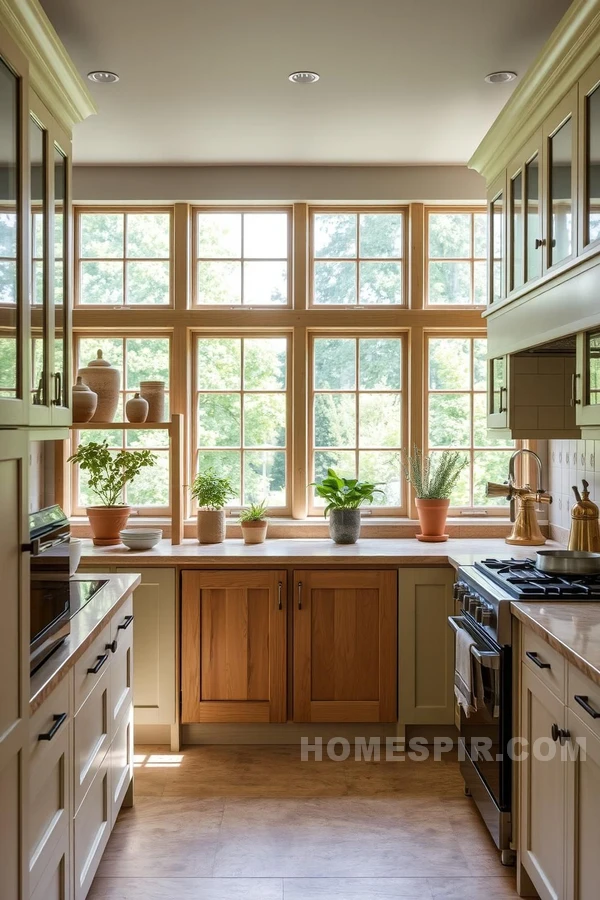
(344,525)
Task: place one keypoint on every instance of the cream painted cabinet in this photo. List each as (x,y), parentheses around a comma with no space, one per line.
(583,812)
(589,159)
(586,383)
(425,647)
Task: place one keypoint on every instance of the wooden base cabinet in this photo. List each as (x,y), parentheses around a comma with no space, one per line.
(233,658)
(345,646)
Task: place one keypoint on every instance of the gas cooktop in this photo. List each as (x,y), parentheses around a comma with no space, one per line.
(522,581)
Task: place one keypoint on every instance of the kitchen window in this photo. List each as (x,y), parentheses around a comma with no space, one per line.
(456,244)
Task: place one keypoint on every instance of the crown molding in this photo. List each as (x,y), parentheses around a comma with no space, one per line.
(572,47)
(52,74)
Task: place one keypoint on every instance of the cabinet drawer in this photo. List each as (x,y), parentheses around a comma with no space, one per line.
(121,622)
(121,762)
(90,666)
(588,694)
(549,666)
(91,737)
(54,883)
(91,830)
(49,779)
(121,671)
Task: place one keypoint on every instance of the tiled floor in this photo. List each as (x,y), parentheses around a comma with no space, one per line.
(257,823)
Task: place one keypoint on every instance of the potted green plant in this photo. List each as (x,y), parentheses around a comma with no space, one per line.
(108,473)
(344,496)
(211,491)
(254,523)
(433,479)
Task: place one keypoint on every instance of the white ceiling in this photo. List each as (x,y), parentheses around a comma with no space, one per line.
(205,81)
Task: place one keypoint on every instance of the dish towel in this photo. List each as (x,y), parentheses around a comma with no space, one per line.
(465,686)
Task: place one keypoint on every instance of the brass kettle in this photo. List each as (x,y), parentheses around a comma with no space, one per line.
(585,530)
(526,531)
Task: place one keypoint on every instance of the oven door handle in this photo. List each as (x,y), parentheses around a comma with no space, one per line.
(36,547)
(486,658)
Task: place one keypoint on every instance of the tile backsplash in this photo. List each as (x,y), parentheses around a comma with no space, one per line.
(568,463)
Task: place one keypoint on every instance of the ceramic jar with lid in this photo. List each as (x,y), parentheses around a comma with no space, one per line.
(136,409)
(105,380)
(85,401)
(154,393)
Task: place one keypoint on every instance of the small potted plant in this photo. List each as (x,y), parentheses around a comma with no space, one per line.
(254,523)
(211,491)
(344,496)
(433,480)
(108,473)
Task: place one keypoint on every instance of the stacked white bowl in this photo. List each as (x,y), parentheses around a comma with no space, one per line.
(141,538)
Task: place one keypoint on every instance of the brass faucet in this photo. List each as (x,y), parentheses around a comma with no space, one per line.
(511,477)
(585,530)
(526,530)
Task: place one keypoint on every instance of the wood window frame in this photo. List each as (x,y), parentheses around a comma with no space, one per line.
(194,258)
(79,212)
(241,334)
(314,210)
(356,334)
(470,260)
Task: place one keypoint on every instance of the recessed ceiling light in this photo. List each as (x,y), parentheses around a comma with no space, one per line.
(103,77)
(303,77)
(500,77)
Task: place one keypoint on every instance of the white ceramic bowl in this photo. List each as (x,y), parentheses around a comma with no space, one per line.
(141,538)
(75,548)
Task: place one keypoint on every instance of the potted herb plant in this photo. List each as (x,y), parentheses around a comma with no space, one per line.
(254,523)
(211,491)
(344,496)
(433,479)
(108,473)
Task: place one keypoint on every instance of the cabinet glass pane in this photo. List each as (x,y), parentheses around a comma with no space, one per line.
(517,231)
(59,244)
(498,404)
(593,166)
(497,221)
(593,363)
(39,300)
(561,236)
(9,222)
(534,225)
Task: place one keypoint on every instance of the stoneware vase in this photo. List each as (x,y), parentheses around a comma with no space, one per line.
(154,393)
(211,526)
(136,409)
(344,525)
(106,522)
(105,380)
(254,532)
(432,518)
(85,401)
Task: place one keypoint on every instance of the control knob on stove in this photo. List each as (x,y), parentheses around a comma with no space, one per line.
(474,604)
(487,617)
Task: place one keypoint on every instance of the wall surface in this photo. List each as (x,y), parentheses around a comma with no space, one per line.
(569,462)
(277,184)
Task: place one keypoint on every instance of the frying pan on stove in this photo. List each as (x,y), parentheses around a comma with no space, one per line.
(568,562)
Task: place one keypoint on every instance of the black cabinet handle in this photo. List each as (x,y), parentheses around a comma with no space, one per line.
(58,720)
(584,703)
(299,595)
(535,659)
(99,663)
(279,601)
(112,646)
(126,623)
(559,734)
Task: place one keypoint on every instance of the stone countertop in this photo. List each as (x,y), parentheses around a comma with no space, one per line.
(308,552)
(573,629)
(85,626)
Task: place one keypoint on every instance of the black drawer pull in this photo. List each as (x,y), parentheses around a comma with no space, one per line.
(584,702)
(99,663)
(112,646)
(58,720)
(534,659)
(126,623)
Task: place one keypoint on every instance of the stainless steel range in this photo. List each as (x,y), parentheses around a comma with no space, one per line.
(483,594)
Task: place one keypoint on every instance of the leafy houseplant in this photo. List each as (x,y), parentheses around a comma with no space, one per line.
(343,498)
(254,523)
(433,480)
(211,491)
(108,473)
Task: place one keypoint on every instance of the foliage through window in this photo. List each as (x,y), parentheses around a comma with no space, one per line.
(357,412)
(8,302)
(242,258)
(124,258)
(242,415)
(457,417)
(357,258)
(457,266)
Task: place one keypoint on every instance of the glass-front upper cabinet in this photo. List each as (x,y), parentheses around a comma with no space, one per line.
(525,220)
(586,382)
(589,157)
(498,392)
(497,240)
(560,137)
(39,387)
(60,244)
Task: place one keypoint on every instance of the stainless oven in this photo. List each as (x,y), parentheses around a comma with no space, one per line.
(50,603)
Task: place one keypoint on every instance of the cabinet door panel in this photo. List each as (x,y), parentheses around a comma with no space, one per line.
(560,150)
(233,646)
(345,646)
(583,859)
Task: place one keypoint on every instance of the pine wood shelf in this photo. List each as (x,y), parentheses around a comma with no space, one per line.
(125,426)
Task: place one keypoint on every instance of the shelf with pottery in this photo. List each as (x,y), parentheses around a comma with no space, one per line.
(121,426)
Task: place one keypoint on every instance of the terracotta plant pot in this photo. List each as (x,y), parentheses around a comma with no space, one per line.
(85,401)
(136,409)
(254,532)
(344,525)
(432,517)
(106,522)
(211,526)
